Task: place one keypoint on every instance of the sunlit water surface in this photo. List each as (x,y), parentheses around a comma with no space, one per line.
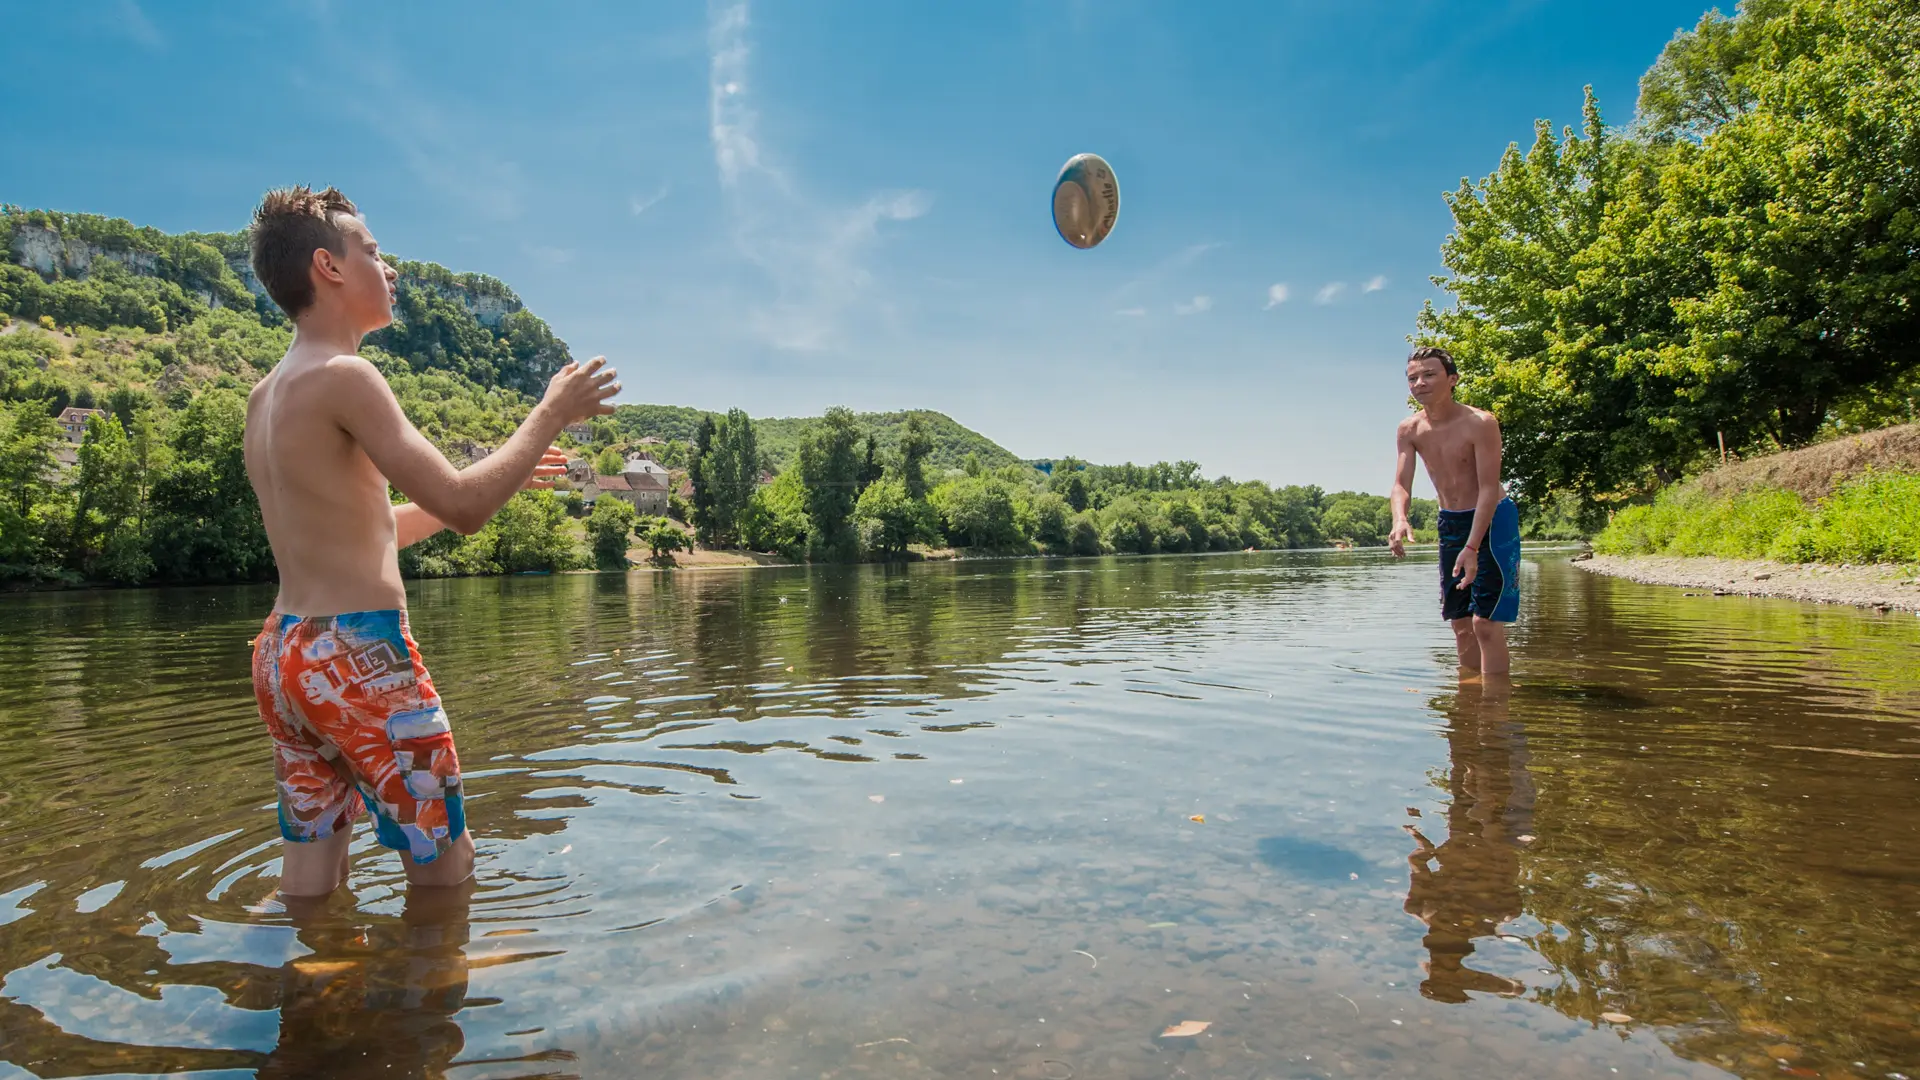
(946,821)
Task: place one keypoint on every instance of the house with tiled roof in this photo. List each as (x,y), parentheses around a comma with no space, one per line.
(649,482)
(73,423)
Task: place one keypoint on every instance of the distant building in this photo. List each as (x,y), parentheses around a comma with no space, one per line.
(615,486)
(73,423)
(649,483)
(582,432)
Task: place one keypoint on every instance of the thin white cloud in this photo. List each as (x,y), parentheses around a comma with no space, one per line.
(640,204)
(1277,294)
(1195,306)
(1374,284)
(550,256)
(134,23)
(1132,311)
(814,255)
(1329,292)
(1173,263)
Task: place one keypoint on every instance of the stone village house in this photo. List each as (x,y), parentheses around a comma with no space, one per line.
(643,484)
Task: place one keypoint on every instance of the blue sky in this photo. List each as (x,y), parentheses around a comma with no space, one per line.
(785,206)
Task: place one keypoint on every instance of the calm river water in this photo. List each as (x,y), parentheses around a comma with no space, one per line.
(945,821)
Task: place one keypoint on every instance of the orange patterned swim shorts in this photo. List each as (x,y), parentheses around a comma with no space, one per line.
(355,720)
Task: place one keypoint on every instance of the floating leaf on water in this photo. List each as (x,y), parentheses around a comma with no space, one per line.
(956,781)
(876,798)
(1158,925)
(1525,838)
(1201,818)
(1186,1028)
(1413,811)
(1615,1017)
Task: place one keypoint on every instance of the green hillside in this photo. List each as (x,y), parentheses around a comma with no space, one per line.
(779,437)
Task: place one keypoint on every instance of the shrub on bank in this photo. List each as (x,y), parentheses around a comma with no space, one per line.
(1872,518)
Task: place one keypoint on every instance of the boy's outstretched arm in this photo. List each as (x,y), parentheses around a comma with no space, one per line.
(463,499)
(1402,497)
(412,524)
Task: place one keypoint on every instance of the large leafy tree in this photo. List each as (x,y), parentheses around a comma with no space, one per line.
(830,466)
(107,540)
(916,445)
(729,470)
(609,530)
(1624,303)
(203,521)
(701,512)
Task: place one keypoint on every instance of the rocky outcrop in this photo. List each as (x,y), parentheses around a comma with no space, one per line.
(47,252)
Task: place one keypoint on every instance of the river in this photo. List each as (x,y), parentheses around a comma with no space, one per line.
(981,819)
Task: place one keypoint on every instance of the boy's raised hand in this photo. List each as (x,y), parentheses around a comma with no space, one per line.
(552,463)
(578,391)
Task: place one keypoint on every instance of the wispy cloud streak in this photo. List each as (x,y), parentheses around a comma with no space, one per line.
(813,255)
(1277,294)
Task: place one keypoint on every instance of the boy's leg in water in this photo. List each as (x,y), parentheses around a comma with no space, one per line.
(314,868)
(1467,643)
(453,867)
(1490,646)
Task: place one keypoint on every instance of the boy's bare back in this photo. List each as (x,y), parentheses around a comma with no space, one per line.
(325,438)
(324,503)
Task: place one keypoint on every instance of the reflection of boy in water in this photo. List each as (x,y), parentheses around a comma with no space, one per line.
(369,1003)
(1476,886)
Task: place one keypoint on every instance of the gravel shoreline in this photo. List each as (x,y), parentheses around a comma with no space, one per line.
(1887,588)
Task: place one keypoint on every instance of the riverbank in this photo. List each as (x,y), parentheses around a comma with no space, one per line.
(1892,588)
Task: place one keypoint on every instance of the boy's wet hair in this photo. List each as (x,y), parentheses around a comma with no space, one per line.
(289,225)
(1434,352)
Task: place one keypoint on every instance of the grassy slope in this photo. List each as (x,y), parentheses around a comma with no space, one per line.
(1852,500)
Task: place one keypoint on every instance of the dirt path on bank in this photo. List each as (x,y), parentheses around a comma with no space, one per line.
(1887,587)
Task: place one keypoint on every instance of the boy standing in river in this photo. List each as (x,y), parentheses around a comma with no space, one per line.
(1479,525)
(354,716)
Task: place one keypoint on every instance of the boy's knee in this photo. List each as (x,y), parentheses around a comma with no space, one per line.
(1488,630)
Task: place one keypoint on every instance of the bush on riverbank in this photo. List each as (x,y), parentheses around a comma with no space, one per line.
(1871,518)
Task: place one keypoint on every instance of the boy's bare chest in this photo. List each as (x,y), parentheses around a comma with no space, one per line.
(1448,449)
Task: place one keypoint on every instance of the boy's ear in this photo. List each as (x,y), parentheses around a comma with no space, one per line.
(324,265)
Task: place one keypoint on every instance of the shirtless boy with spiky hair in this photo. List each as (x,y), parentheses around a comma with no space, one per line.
(354,716)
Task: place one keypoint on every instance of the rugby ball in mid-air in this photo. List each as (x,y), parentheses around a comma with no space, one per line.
(1086,199)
